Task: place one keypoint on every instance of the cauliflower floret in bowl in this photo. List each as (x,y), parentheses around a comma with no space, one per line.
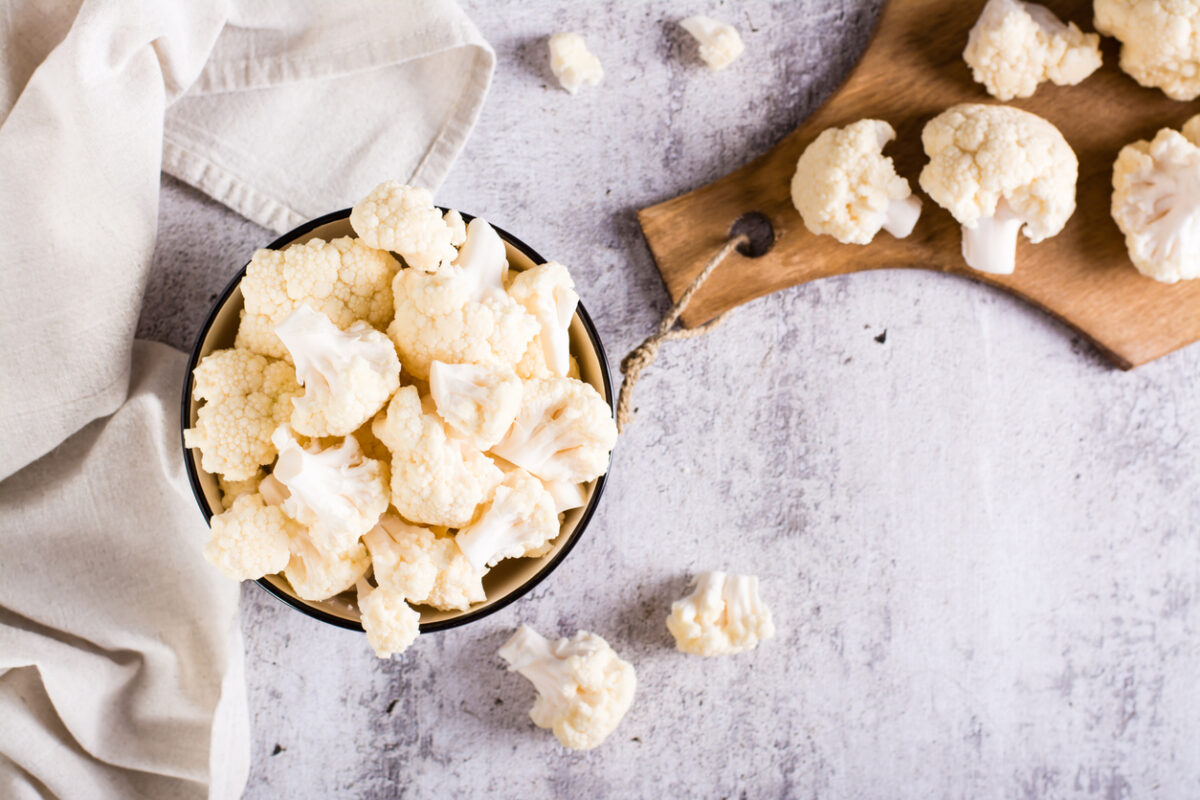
(448,602)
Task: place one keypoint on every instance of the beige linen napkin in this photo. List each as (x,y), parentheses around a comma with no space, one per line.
(120,652)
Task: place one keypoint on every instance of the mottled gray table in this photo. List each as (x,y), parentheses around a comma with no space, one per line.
(981,543)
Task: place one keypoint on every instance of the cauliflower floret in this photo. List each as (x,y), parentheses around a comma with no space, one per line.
(584,688)
(572,63)
(720,44)
(403,219)
(251,539)
(723,615)
(232,490)
(564,431)
(436,480)
(423,567)
(999,170)
(336,493)
(1160,42)
(548,293)
(478,402)
(347,376)
(458,228)
(317,574)
(343,279)
(246,396)
(1156,203)
(519,521)
(846,187)
(1014,46)
(566,494)
(391,624)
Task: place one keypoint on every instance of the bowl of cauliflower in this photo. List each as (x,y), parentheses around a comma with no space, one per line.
(397,418)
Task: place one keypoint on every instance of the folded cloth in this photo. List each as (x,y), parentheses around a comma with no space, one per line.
(120,657)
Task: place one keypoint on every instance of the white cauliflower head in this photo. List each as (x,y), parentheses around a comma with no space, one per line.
(548,293)
(572,63)
(436,480)
(563,432)
(584,688)
(1015,46)
(720,44)
(337,493)
(724,614)
(404,220)
(999,170)
(1156,203)
(478,402)
(347,376)
(251,539)
(846,187)
(423,567)
(246,396)
(1160,42)
(518,521)
(391,624)
(343,279)
(316,574)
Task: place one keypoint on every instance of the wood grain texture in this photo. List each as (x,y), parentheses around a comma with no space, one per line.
(911,71)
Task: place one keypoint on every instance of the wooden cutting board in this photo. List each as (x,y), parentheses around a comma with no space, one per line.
(912,70)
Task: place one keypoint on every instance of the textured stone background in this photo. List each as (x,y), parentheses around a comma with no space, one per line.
(979,540)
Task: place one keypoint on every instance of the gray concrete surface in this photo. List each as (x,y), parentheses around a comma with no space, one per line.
(979,540)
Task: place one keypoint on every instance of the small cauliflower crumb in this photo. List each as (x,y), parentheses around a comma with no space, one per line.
(720,44)
(404,220)
(572,63)
(723,615)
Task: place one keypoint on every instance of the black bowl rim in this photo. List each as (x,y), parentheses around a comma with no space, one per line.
(300,605)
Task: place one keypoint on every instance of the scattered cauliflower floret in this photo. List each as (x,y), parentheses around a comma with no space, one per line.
(251,539)
(232,490)
(572,63)
(317,574)
(404,220)
(478,402)
(548,293)
(1014,46)
(846,187)
(337,493)
(246,396)
(1160,42)
(1156,203)
(999,170)
(584,688)
(720,44)
(563,432)
(423,567)
(519,521)
(391,624)
(344,279)
(436,480)
(347,376)
(723,615)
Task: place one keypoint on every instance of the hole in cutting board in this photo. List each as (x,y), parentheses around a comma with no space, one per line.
(758,229)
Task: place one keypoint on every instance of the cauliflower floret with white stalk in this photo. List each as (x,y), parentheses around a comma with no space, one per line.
(246,396)
(391,624)
(1156,203)
(251,539)
(343,279)
(347,376)
(1160,42)
(337,493)
(999,170)
(1014,46)
(423,567)
(478,402)
(583,687)
(720,44)
(548,293)
(572,63)
(846,187)
(436,480)
(723,615)
(461,315)
(316,574)
(519,521)
(404,220)
(564,431)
